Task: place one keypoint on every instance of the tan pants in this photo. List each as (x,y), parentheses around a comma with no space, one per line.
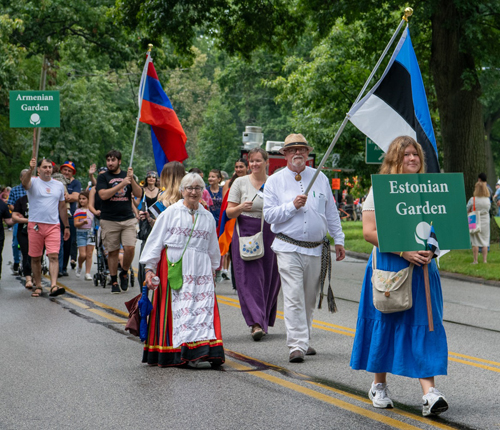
(115,233)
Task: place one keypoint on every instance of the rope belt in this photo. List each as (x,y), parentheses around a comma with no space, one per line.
(326,265)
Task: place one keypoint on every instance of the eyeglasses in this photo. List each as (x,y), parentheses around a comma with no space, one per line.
(196,189)
(151,176)
(293,150)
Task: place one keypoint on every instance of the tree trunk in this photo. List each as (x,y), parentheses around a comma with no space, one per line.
(490,163)
(461,112)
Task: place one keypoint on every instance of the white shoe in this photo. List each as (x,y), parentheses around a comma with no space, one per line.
(434,403)
(78,272)
(379,395)
(88,277)
(198,364)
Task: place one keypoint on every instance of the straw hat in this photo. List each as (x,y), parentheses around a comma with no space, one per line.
(294,141)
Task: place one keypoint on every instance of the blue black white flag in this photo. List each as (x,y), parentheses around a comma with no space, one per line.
(432,243)
(397,105)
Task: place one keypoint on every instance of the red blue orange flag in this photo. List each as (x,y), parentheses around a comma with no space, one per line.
(167,135)
(225,228)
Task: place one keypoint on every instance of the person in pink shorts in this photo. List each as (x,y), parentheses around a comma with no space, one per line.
(46,200)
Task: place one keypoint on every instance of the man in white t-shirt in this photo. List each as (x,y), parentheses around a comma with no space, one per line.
(300,223)
(46,200)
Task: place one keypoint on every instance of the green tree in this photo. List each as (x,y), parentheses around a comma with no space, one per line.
(216,139)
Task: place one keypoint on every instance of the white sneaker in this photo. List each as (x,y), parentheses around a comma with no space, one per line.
(78,272)
(198,364)
(434,403)
(88,277)
(379,395)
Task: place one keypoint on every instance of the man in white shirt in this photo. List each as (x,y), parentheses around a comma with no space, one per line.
(46,200)
(301,223)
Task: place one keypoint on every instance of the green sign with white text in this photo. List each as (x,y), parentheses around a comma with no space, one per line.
(30,109)
(407,205)
(373,153)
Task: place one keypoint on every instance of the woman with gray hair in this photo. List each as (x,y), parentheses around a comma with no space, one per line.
(184,326)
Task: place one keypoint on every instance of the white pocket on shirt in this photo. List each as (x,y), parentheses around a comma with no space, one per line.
(320,199)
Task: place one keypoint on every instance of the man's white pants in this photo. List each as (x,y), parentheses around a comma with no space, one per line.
(300,285)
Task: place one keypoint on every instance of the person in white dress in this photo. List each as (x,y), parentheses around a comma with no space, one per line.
(184,327)
(481,203)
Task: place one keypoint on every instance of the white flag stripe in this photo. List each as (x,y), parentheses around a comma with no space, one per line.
(380,122)
(143,79)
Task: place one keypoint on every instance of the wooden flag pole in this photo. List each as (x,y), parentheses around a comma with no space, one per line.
(428,297)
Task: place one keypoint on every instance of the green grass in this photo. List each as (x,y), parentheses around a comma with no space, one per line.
(454,261)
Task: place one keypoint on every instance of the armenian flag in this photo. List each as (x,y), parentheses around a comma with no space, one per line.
(167,134)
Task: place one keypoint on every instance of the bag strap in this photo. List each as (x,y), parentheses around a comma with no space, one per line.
(374,258)
(261,224)
(474,204)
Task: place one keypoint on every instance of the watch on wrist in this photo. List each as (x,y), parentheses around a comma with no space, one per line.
(66,226)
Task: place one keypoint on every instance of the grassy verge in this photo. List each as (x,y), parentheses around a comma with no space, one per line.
(454,261)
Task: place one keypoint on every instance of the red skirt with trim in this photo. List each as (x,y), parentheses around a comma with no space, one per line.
(158,349)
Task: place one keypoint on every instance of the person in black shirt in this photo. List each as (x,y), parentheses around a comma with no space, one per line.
(4,216)
(115,188)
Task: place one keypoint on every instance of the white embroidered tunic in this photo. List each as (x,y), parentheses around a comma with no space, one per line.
(193,304)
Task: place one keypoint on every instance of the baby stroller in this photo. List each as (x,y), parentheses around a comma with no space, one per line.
(101,277)
(102,264)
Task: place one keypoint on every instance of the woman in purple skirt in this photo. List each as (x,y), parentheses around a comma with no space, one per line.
(258,280)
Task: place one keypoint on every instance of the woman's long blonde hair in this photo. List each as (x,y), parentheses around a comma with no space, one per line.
(481,190)
(393,161)
(170,181)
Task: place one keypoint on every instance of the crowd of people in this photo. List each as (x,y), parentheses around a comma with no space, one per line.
(177,216)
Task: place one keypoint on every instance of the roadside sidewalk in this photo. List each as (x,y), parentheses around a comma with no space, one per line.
(443,274)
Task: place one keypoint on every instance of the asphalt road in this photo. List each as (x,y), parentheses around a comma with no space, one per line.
(67,363)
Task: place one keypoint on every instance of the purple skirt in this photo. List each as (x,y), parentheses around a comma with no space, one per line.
(258,281)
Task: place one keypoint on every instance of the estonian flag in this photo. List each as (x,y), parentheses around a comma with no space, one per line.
(167,134)
(432,243)
(397,105)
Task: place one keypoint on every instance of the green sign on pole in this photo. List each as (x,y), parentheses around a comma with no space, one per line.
(407,205)
(29,109)
(373,153)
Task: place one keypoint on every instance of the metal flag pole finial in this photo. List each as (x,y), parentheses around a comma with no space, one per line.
(408,13)
(150,47)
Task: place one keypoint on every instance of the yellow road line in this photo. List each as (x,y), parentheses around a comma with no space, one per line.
(76,302)
(474,358)
(352,396)
(392,411)
(470,363)
(350,332)
(325,398)
(108,316)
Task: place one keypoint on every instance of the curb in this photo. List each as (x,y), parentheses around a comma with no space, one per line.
(449,275)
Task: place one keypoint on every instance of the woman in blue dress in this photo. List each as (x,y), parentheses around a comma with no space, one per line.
(401,343)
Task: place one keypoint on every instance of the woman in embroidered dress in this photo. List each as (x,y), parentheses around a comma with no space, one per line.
(258,281)
(401,343)
(184,326)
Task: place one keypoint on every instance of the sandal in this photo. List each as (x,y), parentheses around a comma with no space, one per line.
(28,285)
(37,292)
(56,291)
